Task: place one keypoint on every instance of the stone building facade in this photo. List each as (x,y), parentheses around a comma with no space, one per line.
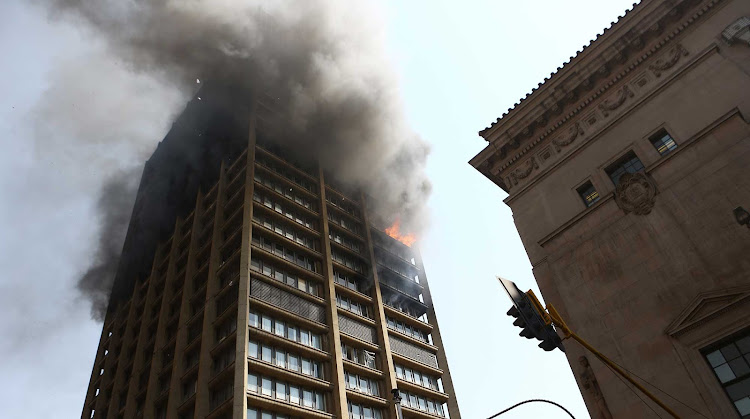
(622,170)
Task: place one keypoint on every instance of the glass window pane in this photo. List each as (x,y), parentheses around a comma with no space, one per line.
(267,389)
(317,370)
(252,413)
(743,406)
(292,333)
(267,323)
(281,391)
(281,358)
(267,354)
(306,367)
(319,401)
(252,349)
(739,367)
(744,345)
(252,383)
(739,389)
(307,398)
(304,337)
(279,329)
(715,358)
(253,320)
(294,394)
(316,341)
(730,352)
(293,362)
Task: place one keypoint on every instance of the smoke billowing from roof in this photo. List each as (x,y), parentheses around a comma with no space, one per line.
(323,64)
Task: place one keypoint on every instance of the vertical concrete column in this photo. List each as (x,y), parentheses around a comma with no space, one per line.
(112,320)
(184,315)
(123,364)
(209,309)
(334,335)
(160,339)
(239,405)
(386,360)
(98,357)
(140,361)
(437,340)
(151,391)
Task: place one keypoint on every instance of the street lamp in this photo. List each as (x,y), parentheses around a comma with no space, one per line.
(397,402)
(742,216)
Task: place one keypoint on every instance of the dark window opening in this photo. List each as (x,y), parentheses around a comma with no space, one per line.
(588,193)
(629,163)
(730,361)
(663,142)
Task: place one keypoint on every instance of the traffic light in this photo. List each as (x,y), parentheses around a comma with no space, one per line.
(533,323)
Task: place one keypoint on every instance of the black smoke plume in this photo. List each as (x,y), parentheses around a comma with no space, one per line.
(114,205)
(321,62)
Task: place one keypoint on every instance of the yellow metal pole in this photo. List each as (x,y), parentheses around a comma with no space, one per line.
(558,321)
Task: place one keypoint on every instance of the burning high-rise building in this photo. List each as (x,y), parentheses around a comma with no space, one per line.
(251,286)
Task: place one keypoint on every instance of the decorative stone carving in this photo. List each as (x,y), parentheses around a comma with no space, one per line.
(635,193)
(615,101)
(668,60)
(569,137)
(522,173)
(637,42)
(591,119)
(545,155)
(738,31)
(591,385)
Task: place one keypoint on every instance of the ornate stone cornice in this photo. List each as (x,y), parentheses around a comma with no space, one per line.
(669,60)
(501,154)
(566,139)
(615,102)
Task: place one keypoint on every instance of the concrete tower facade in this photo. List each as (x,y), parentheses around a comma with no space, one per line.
(272,296)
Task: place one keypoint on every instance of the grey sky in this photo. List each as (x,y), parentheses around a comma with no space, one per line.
(459,68)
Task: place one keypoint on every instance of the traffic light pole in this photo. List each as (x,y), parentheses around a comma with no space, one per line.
(536,322)
(557,320)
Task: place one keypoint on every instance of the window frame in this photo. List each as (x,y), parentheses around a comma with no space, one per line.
(623,158)
(717,346)
(659,135)
(588,184)
(695,329)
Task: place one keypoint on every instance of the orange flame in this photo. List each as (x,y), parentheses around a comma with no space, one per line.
(393,231)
